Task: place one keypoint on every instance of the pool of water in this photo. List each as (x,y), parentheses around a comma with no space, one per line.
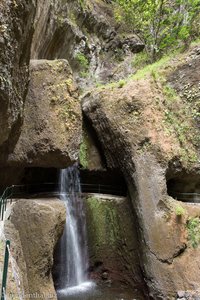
(97,293)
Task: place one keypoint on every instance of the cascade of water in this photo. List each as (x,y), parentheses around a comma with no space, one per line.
(73,250)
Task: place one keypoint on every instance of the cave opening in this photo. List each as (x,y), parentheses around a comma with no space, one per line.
(184,187)
(109,181)
(29,180)
(40,175)
(35,180)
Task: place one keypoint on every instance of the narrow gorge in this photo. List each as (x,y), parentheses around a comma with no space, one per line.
(99,151)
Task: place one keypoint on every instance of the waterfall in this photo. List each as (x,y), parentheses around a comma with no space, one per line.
(73,245)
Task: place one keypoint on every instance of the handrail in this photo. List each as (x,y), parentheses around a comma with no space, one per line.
(35,188)
(86,187)
(192,194)
(186,197)
(5,271)
(7,194)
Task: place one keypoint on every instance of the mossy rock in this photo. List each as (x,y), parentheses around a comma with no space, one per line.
(112,238)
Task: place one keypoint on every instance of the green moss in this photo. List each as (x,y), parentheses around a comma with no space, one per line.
(83,155)
(193,227)
(179,211)
(111,233)
(83,151)
(103,220)
(122,82)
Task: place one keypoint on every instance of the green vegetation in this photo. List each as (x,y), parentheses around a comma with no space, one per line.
(121,83)
(160,24)
(176,120)
(83,4)
(179,211)
(193,227)
(178,123)
(83,63)
(104,220)
(151,69)
(119,55)
(196,42)
(83,152)
(141,60)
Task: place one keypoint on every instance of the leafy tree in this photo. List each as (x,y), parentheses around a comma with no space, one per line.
(160,24)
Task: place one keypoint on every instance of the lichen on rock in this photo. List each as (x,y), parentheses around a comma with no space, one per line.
(51,131)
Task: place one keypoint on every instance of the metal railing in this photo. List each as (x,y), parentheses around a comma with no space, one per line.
(187,197)
(7,195)
(52,189)
(17,191)
(9,262)
(29,189)
(5,270)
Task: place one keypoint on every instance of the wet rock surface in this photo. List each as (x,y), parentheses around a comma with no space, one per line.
(112,242)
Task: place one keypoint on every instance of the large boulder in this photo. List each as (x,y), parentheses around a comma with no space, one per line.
(51,131)
(112,241)
(148,132)
(16,29)
(34,228)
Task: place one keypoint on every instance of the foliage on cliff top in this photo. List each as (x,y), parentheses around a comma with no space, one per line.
(160,24)
(171,119)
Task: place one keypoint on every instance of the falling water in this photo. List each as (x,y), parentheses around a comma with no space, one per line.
(73,246)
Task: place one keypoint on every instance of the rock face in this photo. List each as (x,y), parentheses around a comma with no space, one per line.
(146,131)
(51,131)
(185,80)
(86,34)
(38,131)
(34,228)
(90,155)
(112,240)
(50,135)
(132,122)
(16,28)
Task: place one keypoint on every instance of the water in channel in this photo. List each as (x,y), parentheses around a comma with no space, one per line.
(73,245)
